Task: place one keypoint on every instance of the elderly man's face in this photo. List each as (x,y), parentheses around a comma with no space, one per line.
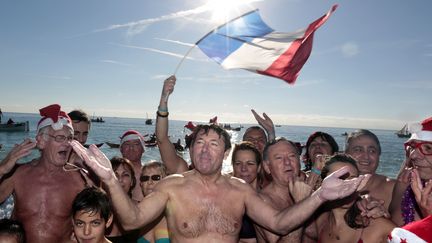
(420,155)
(132,150)
(283,162)
(55,145)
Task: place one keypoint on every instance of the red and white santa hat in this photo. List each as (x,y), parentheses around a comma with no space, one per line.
(54,117)
(418,232)
(132,135)
(421,131)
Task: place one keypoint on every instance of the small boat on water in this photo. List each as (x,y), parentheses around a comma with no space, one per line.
(98,119)
(15,127)
(112,145)
(148,120)
(230,128)
(152,142)
(344,134)
(403,132)
(97,145)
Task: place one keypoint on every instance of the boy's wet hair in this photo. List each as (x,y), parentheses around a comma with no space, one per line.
(92,200)
(79,116)
(14,228)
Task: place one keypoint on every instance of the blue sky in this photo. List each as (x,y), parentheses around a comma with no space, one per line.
(370,66)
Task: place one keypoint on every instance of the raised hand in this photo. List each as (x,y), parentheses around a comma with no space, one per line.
(422,194)
(95,159)
(168,87)
(334,188)
(299,190)
(18,151)
(266,123)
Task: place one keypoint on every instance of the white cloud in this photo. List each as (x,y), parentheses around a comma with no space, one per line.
(176,42)
(350,49)
(115,62)
(158,51)
(136,27)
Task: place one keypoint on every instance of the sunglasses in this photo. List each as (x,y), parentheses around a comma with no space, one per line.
(153,177)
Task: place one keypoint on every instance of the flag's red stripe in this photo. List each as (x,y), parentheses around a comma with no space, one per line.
(289,64)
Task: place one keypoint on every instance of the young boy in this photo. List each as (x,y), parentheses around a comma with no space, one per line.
(11,231)
(91,215)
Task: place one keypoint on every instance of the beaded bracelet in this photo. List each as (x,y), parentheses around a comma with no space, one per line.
(162,114)
(316,171)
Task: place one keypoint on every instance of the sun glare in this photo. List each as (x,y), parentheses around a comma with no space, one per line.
(223,10)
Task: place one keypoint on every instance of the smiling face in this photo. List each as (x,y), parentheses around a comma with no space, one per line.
(245,165)
(208,152)
(365,151)
(89,227)
(282,162)
(54,151)
(420,155)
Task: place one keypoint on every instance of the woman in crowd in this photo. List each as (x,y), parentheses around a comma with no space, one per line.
(156,232)
(125,174)
(343,221)
(319,144)
(246,162)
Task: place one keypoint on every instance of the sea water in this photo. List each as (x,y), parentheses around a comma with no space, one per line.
(110,131)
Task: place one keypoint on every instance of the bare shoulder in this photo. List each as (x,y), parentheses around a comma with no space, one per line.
(378,182)
(380,227)
(383,179)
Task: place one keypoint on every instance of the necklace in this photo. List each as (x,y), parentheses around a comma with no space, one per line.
(408,205)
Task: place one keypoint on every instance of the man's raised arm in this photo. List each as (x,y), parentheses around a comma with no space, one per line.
(173,162)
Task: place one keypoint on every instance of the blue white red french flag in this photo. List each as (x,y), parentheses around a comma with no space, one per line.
(248,43)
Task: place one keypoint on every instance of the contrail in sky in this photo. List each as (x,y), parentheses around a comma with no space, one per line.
(137,27)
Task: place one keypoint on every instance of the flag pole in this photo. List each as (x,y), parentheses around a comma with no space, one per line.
(184,57)
(178,66)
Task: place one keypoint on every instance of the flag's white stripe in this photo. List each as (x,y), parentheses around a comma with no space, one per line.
(262,52)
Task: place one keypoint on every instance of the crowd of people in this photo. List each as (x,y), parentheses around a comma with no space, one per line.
(71,193)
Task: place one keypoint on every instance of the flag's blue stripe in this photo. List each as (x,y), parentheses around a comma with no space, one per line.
(228,38)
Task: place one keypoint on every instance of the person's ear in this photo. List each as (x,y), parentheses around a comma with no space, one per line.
(109,221)
(266,166)
(40,141)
